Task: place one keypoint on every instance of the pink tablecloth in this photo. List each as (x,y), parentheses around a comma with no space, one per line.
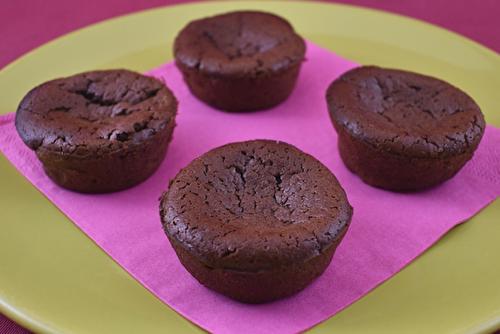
(25,25)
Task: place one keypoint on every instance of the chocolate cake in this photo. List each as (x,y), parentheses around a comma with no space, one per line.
(240,61)
(400,130)
(98,131)
(256,220)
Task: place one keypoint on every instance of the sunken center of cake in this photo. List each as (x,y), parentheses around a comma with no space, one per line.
(407,103)
(100,111)
(226,44)
(256,207)
(235,36)
(405,113)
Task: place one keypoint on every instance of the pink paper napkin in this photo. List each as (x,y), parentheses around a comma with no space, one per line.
(379,243)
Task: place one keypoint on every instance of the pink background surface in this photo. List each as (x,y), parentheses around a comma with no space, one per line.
(25,25)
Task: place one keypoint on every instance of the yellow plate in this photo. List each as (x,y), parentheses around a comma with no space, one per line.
(54,279)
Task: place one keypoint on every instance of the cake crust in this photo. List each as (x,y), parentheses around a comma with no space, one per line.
(255,210)
(240,61)
(98,131)
(401,130)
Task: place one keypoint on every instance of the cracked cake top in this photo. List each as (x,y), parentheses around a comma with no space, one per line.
(94,112)
(405,113)
(239,43)
(255,205)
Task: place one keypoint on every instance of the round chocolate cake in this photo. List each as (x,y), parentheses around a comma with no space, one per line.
(400,130)
(98,131)
(240,61)
(256,220)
